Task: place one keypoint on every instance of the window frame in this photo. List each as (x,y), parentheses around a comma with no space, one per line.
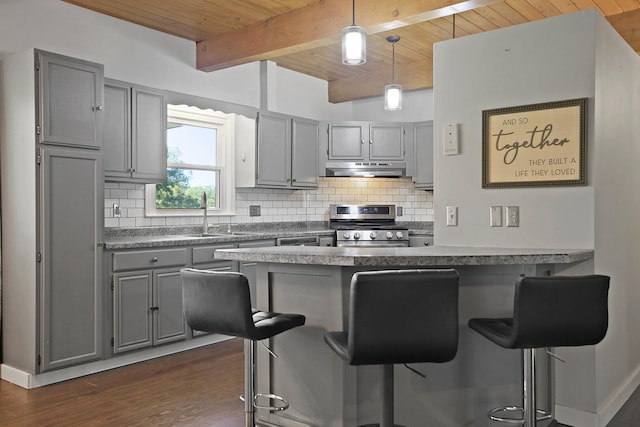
(225,188)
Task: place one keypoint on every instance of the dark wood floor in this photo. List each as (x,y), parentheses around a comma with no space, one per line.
(195,388)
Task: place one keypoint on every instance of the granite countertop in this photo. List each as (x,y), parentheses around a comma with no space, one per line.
(159,237)
(159,241)
(415,257)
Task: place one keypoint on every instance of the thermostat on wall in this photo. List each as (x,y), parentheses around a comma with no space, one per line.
(451,143)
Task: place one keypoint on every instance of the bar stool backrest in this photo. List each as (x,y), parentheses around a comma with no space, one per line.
(558,311)
(403,316)
(217,301)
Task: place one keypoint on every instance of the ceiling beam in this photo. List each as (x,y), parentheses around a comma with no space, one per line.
(417,75)
(317,25)
(628,26)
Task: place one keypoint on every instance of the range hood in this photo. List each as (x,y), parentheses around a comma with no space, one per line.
(367,169)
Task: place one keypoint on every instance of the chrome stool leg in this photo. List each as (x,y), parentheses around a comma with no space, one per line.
(530,414)
(251,404)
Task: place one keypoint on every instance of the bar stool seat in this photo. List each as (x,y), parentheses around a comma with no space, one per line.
(550,311)
(399,316)
(220,302)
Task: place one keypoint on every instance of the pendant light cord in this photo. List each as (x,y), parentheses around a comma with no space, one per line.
(353,12)
(393,63)
(454,25)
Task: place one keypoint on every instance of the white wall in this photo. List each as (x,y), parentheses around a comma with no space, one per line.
(571,56)
(520,65)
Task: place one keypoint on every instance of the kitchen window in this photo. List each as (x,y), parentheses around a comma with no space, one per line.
(199,159)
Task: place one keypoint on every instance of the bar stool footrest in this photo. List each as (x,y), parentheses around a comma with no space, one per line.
(271,397)
(541,415)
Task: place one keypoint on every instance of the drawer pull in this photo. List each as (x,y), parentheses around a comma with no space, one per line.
(154,259)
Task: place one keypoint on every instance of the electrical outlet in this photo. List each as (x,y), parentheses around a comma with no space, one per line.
(451,142)
(513,216)
(452,216)
(495,216)
(399,211)
(116,210)
(254,210)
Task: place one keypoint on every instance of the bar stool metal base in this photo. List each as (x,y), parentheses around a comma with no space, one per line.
(250,405)
(530,413)
(540,416)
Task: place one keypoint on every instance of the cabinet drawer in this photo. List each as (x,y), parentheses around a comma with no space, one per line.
(149,259)
(204,254)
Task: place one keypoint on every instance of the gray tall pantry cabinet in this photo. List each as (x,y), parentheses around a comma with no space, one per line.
(52,199)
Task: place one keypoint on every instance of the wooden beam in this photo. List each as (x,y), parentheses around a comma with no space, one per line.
(628,26)
(317,25)
(417,75)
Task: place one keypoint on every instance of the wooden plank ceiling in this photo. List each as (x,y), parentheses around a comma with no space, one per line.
(304,35)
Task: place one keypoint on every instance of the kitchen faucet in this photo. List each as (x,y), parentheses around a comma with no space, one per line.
(203,206)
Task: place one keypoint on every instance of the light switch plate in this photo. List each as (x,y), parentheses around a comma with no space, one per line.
(451,143)
(495,216)
(452,216)
(513,216)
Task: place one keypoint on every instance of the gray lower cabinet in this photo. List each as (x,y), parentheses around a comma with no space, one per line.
(423,158)
(69,256)
(135,133)
(420,240)
(147,298)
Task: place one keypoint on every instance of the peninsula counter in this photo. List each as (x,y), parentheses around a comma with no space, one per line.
(325,391)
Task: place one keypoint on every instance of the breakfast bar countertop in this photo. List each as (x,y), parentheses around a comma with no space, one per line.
(414,257)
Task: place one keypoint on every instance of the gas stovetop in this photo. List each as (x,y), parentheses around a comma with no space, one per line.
(367,225)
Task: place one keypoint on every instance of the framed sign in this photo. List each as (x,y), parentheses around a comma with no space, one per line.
(535,145)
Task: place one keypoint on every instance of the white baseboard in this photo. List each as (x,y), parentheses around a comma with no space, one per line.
(575,417)
(606,411)
(28,380)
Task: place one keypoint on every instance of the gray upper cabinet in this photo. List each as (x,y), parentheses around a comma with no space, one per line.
(423,148)
(70,95)
(135,133)
(366,141)
(70,202)
(304,149)
(286,153)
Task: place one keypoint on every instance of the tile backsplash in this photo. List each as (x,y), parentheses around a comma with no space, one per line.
(280,205)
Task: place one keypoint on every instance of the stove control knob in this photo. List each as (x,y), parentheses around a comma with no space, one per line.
(399,234)
(346,235)
(356,235)
(389,235)
(373,235)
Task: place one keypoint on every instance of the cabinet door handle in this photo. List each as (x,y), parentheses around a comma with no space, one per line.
(98,108)
(100,244)
(154,308)
(370,142)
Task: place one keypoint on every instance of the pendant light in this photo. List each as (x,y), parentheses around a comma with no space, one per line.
(354,42)
(393,92)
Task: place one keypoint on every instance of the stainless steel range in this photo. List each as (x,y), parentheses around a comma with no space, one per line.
(367,226)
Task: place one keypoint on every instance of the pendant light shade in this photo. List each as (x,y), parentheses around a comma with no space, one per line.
(354,42)
(393,91)
(393,97)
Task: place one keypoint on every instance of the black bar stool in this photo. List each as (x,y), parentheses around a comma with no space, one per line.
(550,311)
(399,316)
(219,302)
